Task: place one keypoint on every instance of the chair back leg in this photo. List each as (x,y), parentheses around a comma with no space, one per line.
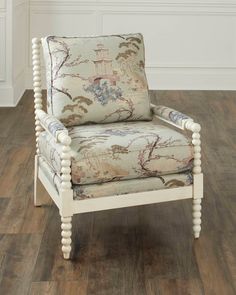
(197,179)
(37,106)
(66,227)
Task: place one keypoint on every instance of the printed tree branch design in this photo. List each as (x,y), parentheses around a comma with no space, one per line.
(149,154)
(123,114)
(61,57)
(128,62)
(117,77)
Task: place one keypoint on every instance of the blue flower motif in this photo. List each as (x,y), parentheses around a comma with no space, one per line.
(53,127)
(103,92)
(190,178)
(119,132)
(175,116)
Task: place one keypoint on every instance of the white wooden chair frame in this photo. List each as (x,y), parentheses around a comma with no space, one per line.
(64,198)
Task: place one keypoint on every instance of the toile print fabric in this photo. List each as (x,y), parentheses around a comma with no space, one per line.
(118,151)
(50,123)
(50,173)
(87,191)
(96,79)
(170,114)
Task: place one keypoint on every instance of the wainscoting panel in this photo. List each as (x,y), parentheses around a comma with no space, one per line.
(2,47)
(189,44)
(2,4)
(20,46)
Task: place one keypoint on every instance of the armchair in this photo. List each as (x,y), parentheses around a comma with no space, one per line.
(97,147)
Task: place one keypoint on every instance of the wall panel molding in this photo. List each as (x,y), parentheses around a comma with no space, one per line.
(19,2)
(180,53)
(2,5)
(175,6)
(2,47)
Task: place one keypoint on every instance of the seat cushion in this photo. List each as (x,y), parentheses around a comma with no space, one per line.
(87,191)
(96,79)
(117,151)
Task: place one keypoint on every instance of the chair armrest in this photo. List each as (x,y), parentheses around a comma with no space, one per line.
(183,122)
(171,116)
(59,132)
(54,127)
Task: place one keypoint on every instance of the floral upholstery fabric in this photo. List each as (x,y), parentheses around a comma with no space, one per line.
(87,191)
(170,115)
(96,79)
(118,151)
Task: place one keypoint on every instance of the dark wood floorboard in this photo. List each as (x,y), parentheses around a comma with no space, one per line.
(133,251)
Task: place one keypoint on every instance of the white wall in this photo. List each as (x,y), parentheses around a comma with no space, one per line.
(20,52)
(5,54)
(14,16)
(190,44)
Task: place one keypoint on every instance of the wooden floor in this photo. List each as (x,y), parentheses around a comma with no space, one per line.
(133,251)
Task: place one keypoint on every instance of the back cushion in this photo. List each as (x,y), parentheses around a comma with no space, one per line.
(96,79)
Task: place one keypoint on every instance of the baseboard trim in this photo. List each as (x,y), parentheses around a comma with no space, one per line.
(19,87)
(158,78)
(10,96)
(179,78)
(192,78)
(6,97)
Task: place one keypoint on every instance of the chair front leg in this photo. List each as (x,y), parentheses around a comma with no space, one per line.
(197,217)
(66,227)
(66,195)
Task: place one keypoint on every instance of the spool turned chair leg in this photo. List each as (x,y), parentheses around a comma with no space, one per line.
(66,227)
(38,105)
(197,199)
(197,217)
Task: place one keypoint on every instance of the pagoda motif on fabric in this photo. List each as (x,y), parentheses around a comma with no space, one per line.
(103,65)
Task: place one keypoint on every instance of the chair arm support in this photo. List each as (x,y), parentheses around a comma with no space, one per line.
(171,116)
(183,122)
(54,127)
(59,132)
